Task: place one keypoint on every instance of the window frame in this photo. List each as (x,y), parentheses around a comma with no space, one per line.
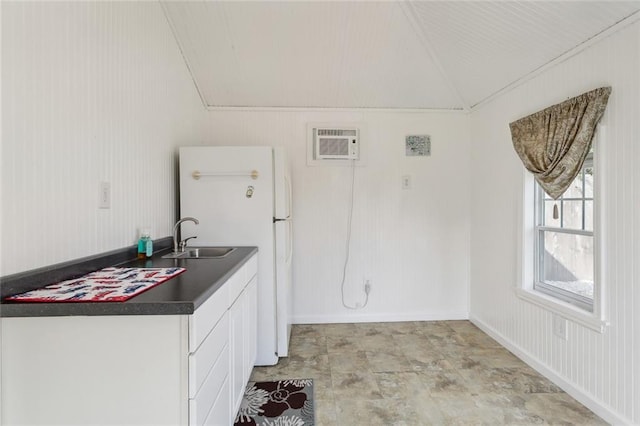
(539,284)
(527,256)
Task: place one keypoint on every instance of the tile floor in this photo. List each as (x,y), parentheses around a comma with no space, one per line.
(420,373)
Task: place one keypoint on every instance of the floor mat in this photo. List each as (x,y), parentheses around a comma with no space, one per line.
(283,402)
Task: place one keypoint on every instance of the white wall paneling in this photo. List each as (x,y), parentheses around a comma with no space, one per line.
(598,369)
(412,244)
(330,54)
(99,92)
(382,54)
(91,92)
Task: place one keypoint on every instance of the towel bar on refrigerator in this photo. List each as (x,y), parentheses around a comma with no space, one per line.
(253,174)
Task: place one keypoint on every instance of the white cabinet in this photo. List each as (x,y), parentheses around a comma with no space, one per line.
(134,370)
(236,365)
(251,314)
(110,370)
(242,338)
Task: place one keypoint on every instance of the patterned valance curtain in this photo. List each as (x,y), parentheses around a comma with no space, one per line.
(553,143)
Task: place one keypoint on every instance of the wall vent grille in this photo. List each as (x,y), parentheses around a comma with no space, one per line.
(332,143)
(337,132)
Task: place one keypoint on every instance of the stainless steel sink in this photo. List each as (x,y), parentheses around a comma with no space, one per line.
(200,253)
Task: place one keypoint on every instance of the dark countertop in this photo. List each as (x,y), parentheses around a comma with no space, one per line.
(180,295)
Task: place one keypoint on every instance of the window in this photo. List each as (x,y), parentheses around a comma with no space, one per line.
(564,244)
(561,256)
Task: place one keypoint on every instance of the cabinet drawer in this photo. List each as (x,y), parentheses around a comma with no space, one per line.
(240,279)
(219,414)
(202,361)
(236,284)
(207,316)
(215,385)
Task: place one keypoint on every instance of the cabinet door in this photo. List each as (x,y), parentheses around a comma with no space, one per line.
(251,326)
(236,347)
(219,414)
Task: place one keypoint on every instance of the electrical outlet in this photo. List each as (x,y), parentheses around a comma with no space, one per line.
(104,196)
(560,327)
(406,182)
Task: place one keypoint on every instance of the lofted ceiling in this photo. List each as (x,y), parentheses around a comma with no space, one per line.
(369,54)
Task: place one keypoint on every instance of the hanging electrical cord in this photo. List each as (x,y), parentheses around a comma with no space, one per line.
(367,288)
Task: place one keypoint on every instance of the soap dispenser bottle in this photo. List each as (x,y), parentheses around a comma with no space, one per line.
(143,242)
(149,247)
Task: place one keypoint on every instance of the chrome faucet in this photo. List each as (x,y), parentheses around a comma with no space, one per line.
(176,227)
(183,243)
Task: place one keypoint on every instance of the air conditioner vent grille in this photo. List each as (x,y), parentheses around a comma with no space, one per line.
(336,143)
(337,132)
(334,146)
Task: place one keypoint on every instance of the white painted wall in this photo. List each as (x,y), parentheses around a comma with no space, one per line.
(599,369)
(97,92)
(91,92)
(412,244)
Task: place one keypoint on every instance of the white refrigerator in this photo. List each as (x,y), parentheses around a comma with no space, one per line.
(242,197)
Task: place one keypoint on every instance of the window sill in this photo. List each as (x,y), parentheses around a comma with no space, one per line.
(584,318)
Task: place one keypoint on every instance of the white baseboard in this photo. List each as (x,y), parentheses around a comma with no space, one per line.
(388,317)
(605,412)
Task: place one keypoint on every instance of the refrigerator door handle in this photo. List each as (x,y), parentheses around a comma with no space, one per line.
(288,184)
(289,248)
(290,254)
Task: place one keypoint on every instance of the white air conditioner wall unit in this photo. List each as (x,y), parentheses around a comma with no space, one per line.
(336,143)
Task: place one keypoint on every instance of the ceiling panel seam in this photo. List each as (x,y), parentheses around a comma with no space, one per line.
(618,26)
(232,39)
(410,13)
(184,57)
(336,109)
(478,50)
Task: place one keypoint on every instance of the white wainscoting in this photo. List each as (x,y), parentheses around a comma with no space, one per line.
(411,244)
(92,92)
(98,92)
(600,369)
(595,405)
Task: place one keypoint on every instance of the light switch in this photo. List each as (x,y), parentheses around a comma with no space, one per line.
(104,196)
